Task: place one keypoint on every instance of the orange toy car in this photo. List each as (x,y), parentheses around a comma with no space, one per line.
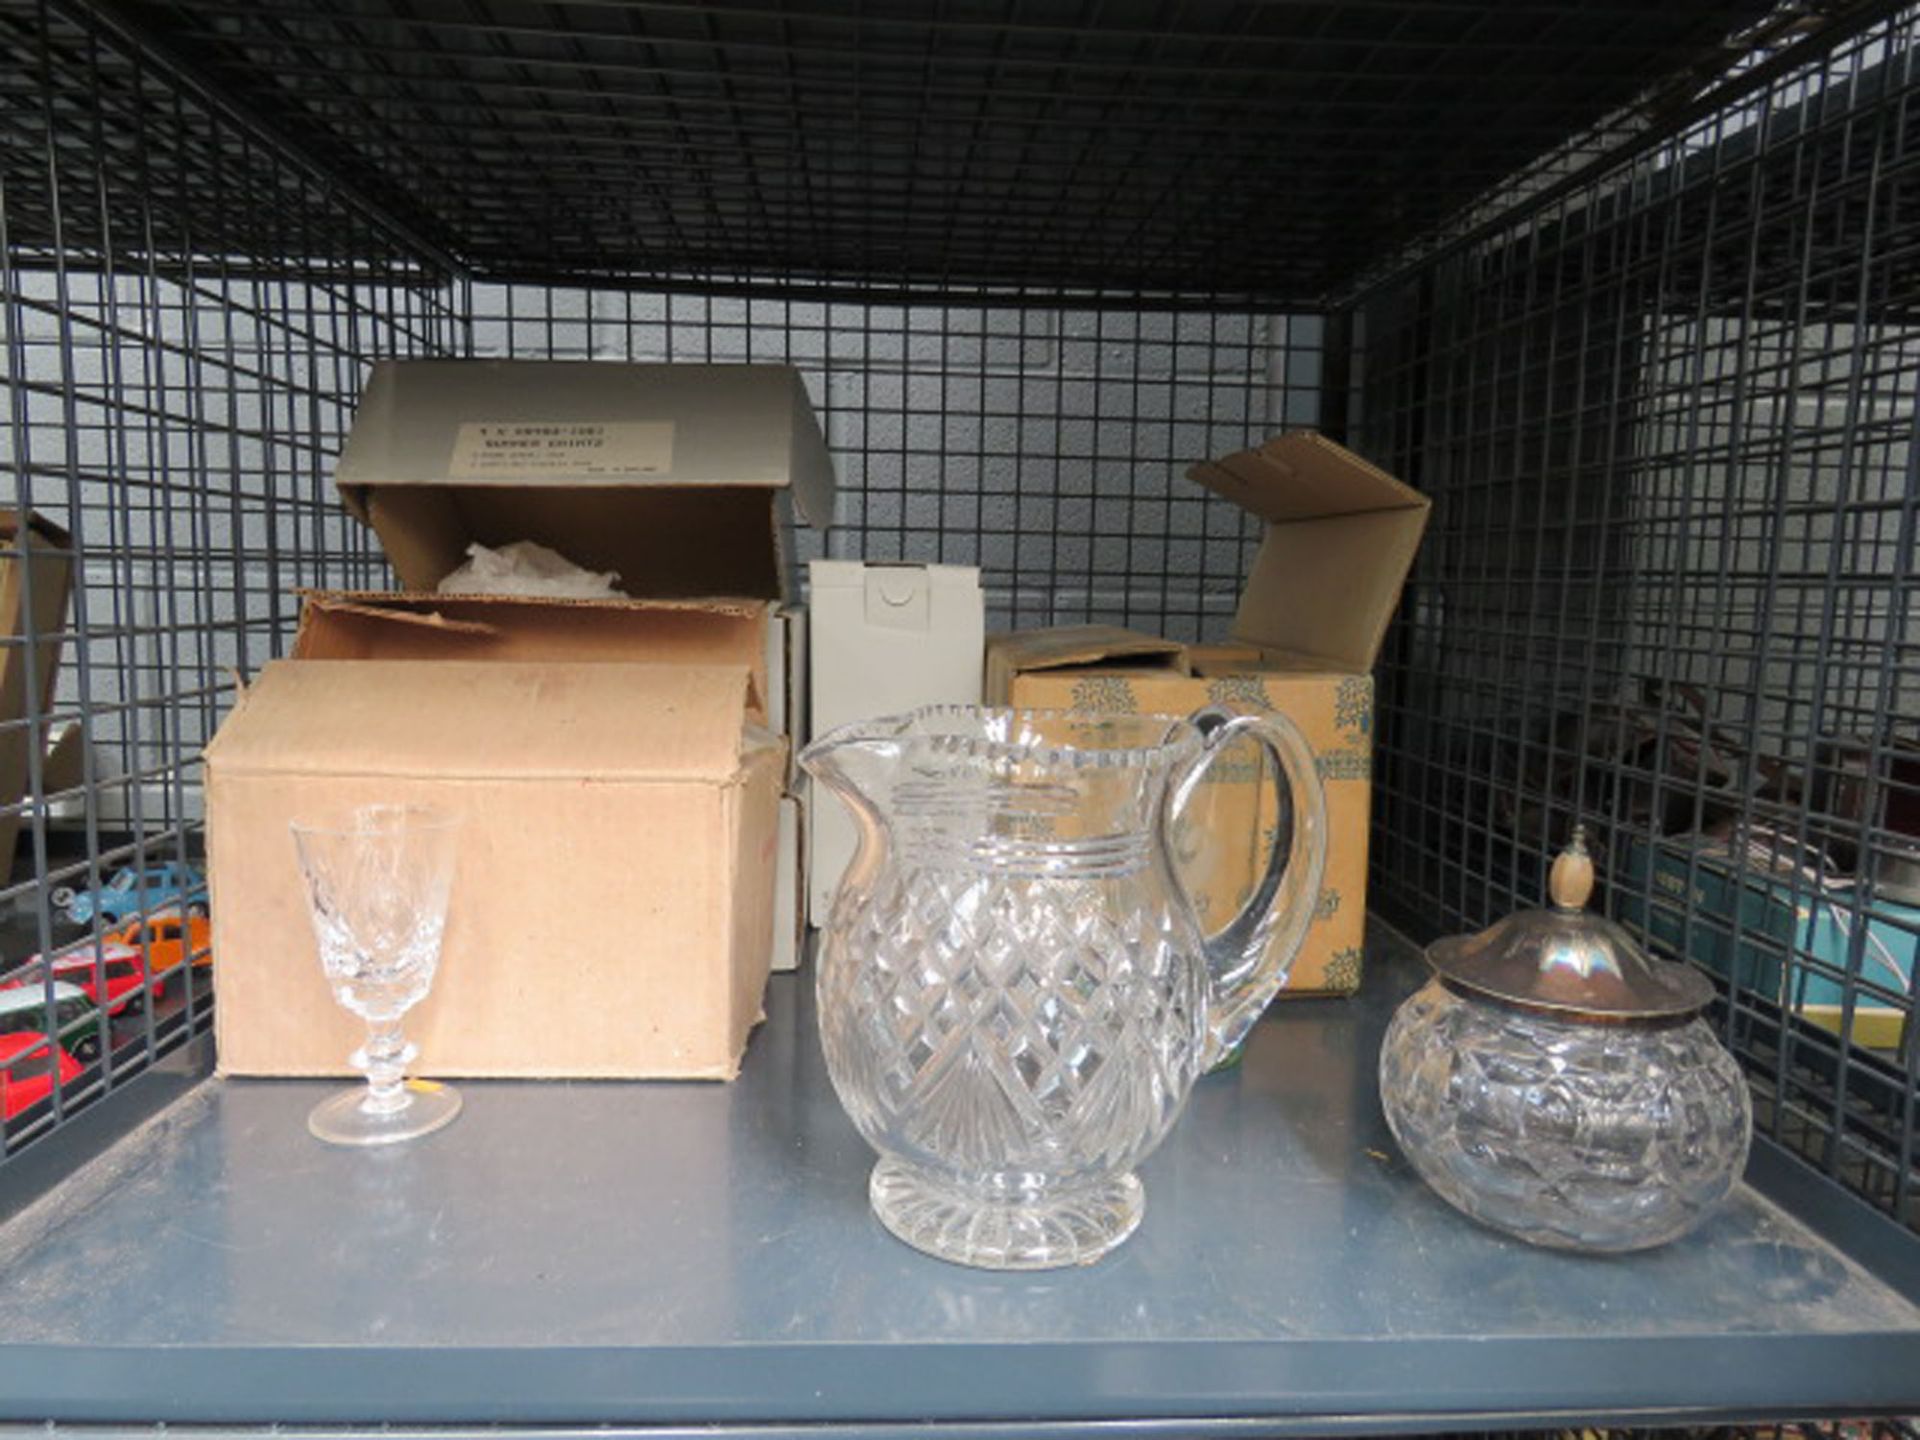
(169,938)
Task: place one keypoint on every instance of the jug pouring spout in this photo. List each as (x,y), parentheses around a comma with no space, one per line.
(857,763)
(855,760)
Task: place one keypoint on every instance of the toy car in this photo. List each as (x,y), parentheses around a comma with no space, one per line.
(27,1064)
(122,973)
(168,938)
(130,892)
(77,1021)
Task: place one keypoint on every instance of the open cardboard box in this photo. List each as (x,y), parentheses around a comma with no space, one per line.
(1340,538)
(348,625)
(36,575)
(613,898)
(683,480)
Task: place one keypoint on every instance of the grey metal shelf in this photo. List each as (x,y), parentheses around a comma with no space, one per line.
(673,1256)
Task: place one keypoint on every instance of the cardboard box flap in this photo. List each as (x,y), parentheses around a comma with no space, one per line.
(460,719)
(365,607)
(1066,647)
(1216,662)
(1302,475)
(1340,539)
(49,535)
(1328,588)
(361,625)
(1063,646)
(428,605)
(674,476)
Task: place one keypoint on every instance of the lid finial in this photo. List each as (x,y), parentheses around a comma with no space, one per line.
(1570,883)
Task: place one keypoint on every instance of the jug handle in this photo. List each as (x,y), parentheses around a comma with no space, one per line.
(1248,958)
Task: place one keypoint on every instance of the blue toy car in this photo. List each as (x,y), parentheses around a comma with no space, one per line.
(134,892)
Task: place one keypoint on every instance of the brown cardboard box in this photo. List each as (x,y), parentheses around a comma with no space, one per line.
(345,625)
(1340,538)
(633,924)
(36,572)
(613,903)
(684,479)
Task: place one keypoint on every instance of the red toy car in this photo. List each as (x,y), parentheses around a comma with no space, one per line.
(123,977)
(27,1078)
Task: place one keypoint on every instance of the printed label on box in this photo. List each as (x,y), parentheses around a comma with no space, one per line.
(527,448)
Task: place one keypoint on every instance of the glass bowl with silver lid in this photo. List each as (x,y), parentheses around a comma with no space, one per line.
(1556,1082)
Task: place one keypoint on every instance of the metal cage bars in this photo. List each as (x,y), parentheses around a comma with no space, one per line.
(1668,423)
(1045,444)
(1215,148)
(177,380)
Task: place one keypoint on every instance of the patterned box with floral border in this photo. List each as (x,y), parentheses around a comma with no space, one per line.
(1340,538)
(1222,839)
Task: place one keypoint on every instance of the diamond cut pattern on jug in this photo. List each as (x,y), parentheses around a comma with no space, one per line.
(1008,1035)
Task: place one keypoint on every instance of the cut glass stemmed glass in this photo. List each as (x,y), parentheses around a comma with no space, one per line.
(378,879)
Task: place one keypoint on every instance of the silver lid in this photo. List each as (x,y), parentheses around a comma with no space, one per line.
(1568,962)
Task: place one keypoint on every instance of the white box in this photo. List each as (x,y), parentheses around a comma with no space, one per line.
(882,639)
(790,886)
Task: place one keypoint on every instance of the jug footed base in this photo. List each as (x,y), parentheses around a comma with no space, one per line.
(1074,1227)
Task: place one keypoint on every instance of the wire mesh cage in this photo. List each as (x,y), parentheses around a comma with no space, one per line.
(1044,444)
(1667,420)
(1661,387)
(176,388)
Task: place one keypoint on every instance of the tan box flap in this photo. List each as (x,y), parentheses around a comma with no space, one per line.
(1341,537)
(674,476)
(355,626)
(378,625)
(459,719)
(1213,662)
(45,533)
(1066,647)
(1302,475)
(1223,659)
(36,574)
